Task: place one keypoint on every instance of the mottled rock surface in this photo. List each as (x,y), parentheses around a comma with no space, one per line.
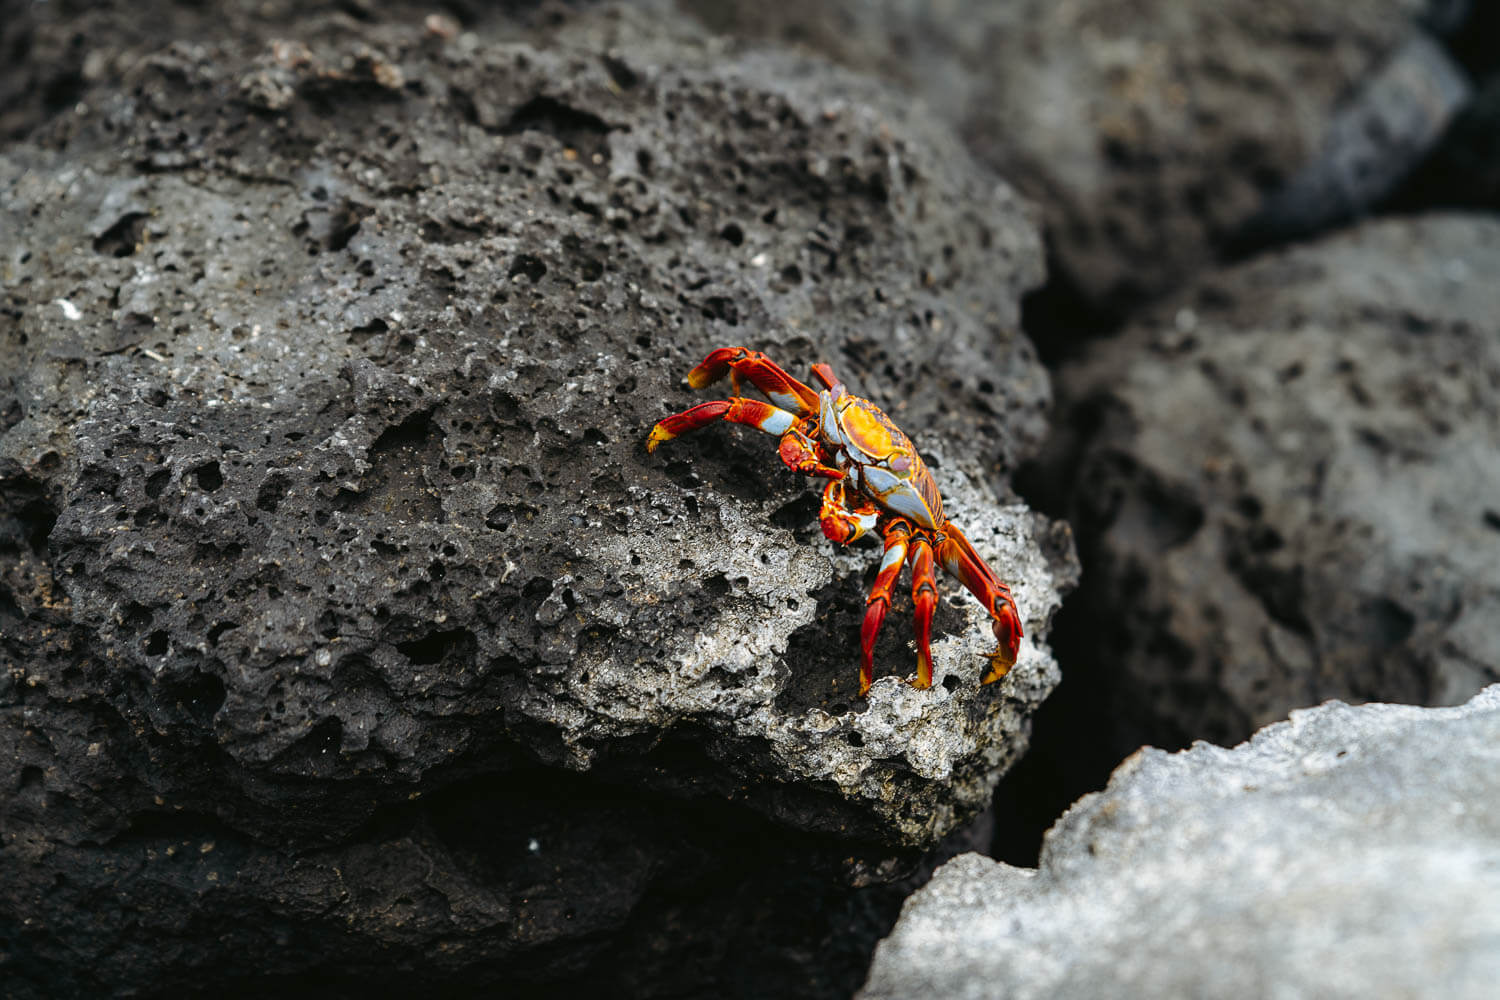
(1152,132)
(1285,488)
(1349,852)
(348,626)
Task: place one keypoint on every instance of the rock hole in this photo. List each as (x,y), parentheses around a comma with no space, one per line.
(434,646)
(580,131)
(721,308)
(124,237)
(210,476)
(156,643)
(200,696)
(528,265)
(157,482)
(37,518)
(590,269)
(136,619)
(1389,624)
(623,76)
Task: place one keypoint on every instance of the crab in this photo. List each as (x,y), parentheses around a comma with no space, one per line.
(876,483)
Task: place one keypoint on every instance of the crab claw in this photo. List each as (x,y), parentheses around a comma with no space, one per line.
(841,524)
(715,366)
(742,364)
(1008,630)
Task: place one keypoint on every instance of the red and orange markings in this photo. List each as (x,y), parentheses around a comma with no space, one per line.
(892,490)
(866,433)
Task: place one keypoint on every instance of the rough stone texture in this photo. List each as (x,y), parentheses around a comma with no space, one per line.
(1150,131)
(1285,488)
(1349,852)
(1390,125)
(348,626)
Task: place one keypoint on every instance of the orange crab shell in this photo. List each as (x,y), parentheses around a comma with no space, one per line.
(877,483)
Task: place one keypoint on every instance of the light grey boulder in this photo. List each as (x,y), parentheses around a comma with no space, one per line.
(1348,852)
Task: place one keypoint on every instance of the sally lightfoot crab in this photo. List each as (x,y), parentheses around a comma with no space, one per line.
(877,482)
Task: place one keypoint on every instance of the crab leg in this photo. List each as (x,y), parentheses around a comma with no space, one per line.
(841,523)
(824,374)
(879,601)
(959,558)
(763,373)
(750,412)
(924,596)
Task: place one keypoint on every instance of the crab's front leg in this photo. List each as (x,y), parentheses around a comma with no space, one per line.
(842,523)
(750,412)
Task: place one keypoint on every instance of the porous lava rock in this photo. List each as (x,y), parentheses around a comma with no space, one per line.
(1154,132)
(1349,852)
(351,631)
(1285,488)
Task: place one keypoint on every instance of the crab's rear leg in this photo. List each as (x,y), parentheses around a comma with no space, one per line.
(750,412)
(897,537)
(924,596)
(958,557)
(763,373)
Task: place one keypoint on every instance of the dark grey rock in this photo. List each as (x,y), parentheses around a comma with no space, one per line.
(1284,488)
(1464,170)
(1374,141)
(1349,852)
(1151,132)
(350,628)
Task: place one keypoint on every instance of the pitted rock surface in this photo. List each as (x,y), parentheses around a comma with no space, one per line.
(331,350)
(1154,132)
(1349,852)
(1285,486)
